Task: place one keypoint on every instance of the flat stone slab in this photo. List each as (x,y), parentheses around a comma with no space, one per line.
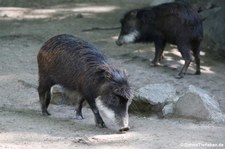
(157,93)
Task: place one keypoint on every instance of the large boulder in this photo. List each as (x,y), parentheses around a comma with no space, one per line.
(168,110)
(153,98)
(197,103)
(157,93)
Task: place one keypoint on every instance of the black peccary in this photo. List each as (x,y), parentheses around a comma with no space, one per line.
(78,65)
(176,23)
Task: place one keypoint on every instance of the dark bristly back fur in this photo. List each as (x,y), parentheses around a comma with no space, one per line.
(175,23)
(73,59)
(154,17)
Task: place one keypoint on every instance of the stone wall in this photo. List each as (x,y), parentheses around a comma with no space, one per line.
(213,14)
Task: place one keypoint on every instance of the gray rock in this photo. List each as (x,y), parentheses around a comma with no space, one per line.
(157,93)
(152,98)
(168,110)
(197,103)
(60,95)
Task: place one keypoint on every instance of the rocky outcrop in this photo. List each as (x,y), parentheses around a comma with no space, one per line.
(213,15)
(155,98)
(157,93)
(163,100)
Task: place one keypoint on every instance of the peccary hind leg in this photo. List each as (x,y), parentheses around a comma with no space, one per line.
(79,115)
(187,58)
(44,95)
(196,53)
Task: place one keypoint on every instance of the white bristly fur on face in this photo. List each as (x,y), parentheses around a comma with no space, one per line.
(125,121)
(108,112)
(130,37)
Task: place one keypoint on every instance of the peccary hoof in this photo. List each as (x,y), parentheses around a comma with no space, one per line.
(45,113)
(79,117)
(155,64)
(101,125)
(197,73)
(179,76)
(124,129)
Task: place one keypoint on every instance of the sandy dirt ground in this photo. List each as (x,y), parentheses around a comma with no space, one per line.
(25,25)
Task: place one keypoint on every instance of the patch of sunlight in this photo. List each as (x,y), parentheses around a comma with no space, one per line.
(12,12)
(16,137)
(114,37)
(169,58)
(175,51)
(104,139)
(95,9)
(202,53)
(207,69)
(204,69)
(181,61)
(139,51)
(18,13)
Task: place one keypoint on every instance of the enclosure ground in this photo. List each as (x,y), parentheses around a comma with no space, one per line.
(26,25)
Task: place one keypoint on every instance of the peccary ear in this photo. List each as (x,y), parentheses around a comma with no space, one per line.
(105,70)
(125,72)
(124,92)
(145,16)
(112,74)
(107,75)
(133,13)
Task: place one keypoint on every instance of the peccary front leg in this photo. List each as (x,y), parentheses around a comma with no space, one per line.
(162,56)
(98,119)
(44,96)
(197,61)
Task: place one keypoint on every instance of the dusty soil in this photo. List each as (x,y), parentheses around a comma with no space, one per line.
(25,25)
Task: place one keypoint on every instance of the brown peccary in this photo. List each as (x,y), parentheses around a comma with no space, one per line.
(176,23)
(78,65)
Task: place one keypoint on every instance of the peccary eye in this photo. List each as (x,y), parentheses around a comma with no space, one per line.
(122,100)
(125,31)
(122,21)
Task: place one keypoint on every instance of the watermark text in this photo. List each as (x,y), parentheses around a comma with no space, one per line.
(202,145)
